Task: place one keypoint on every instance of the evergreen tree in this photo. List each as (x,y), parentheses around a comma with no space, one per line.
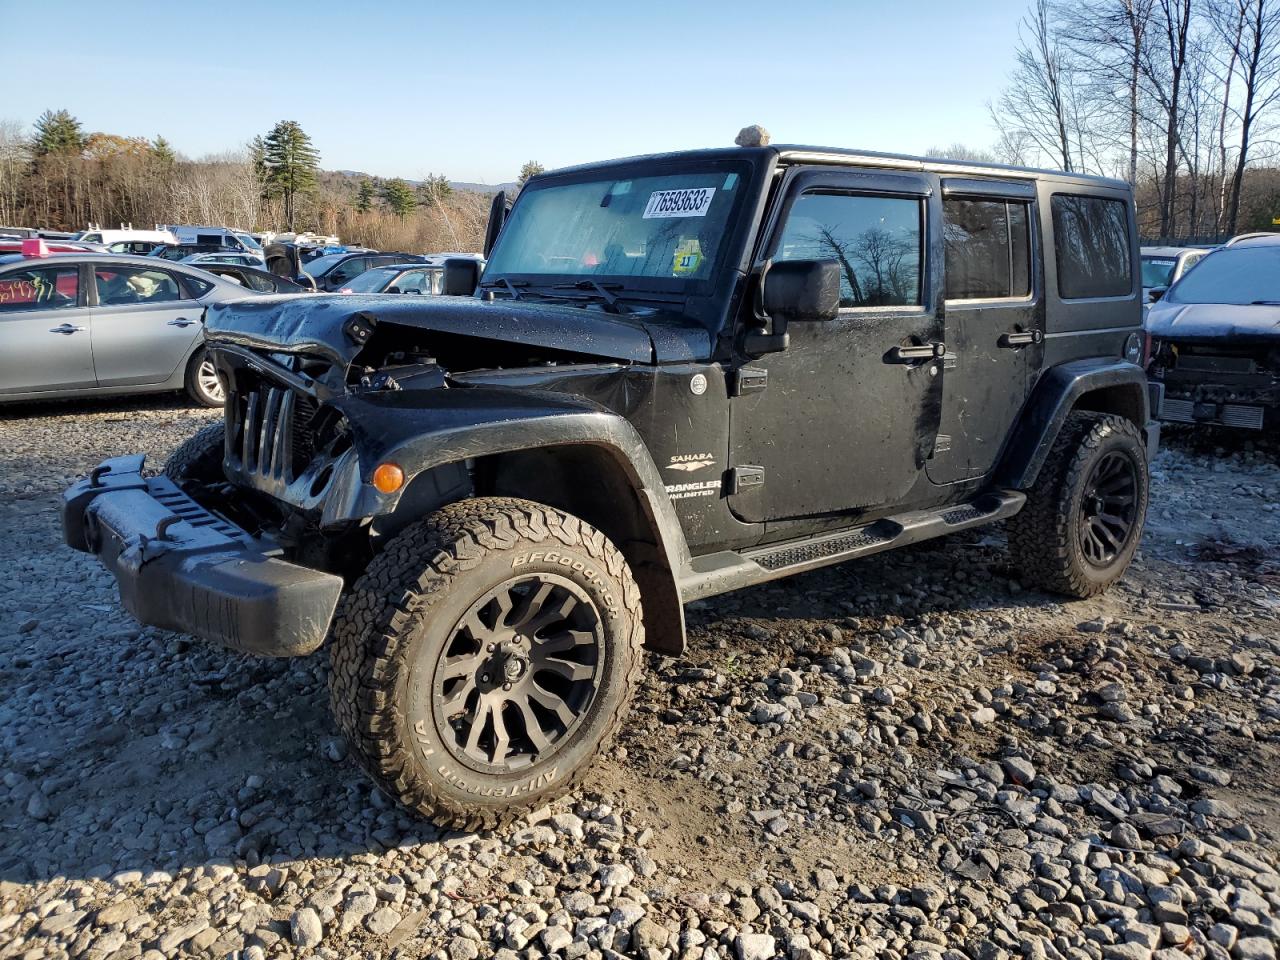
(364,195)
(290,163)
(162,153)
(399,196)
(57,131)
(434,187)
(531,169)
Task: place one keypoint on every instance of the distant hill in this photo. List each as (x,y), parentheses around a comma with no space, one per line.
(356,175)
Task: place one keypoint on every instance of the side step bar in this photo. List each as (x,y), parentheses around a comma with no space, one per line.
(729,570)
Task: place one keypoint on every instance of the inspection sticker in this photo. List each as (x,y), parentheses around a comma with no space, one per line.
(694,202)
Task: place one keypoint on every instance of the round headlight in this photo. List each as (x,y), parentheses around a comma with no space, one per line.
(1133,348)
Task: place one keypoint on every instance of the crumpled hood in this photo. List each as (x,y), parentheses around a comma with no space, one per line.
(318,325)
(1195,321)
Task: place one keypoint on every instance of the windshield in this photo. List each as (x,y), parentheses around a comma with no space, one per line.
(248,241)
(322,265)
(1157,271)
(644,228)
(371,281)
(1232,275)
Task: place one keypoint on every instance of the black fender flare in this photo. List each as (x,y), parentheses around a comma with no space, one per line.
(1058,392)
(422,430)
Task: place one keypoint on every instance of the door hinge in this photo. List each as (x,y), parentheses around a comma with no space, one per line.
(748,380)
(741,479)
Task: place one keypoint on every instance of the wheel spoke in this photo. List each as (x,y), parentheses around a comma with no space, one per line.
(532,728)
(531,607)
(553,614)
(456,701)
(564,713)
(560,642)
(478,722)
(461,665)
(566,668)
(1105,537)
(474,627)
(501,738)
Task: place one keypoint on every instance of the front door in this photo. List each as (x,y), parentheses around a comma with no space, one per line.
(143,324)
(995,322)
(845,417)
(44,330)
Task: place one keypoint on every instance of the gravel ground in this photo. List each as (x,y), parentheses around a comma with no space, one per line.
(909,756)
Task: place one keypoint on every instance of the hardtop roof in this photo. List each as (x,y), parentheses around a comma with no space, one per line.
(842,156)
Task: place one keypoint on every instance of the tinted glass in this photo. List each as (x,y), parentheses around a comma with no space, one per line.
(876,241)
(988,249)
(261,284)
(118,286)
(1157,271)
(197,286)
(345,271)
(1233,275)
(319,265)
(372,281)
(668,227)
(48,288)
(1092,236)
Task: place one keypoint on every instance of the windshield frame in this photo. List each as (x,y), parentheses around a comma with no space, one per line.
(1199,274)
(729,254)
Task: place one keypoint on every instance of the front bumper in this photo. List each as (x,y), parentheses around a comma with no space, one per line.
(180,567)
(1206,409)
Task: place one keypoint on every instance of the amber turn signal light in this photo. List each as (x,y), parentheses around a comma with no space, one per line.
(388,478)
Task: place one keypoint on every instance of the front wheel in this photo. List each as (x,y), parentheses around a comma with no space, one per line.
(204,386)
(484,659)
(1084,516)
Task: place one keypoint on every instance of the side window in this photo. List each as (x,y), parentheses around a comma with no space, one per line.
(349,269)
(118,286)
(51,288)
(1092,239)
(197,287)
(255,282)
(988,249)
(875,240)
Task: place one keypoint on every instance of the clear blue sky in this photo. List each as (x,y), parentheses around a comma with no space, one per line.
(472,90)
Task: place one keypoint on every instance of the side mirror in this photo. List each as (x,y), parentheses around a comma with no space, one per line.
(461,277)
(1156,293)
(802,290)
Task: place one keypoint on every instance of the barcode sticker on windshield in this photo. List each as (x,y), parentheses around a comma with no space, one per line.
(694,202)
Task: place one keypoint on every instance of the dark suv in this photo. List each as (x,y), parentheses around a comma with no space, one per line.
(678,375)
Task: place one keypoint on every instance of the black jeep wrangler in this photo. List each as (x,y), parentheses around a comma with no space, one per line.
(678,375)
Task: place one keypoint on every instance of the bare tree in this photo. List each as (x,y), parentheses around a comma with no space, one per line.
(1164,65)
(1256,54)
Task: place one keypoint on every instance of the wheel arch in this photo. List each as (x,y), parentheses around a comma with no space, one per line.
(586,461)
(1097,385)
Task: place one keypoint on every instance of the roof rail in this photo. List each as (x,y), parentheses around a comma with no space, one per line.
(1251,236)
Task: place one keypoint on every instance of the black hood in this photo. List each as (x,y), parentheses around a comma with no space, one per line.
(320,325)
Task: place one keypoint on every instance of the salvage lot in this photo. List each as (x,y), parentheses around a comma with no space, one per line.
(887,758)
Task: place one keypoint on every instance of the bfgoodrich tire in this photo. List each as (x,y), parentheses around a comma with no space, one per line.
(1083,518)
(199,457)
(485,657)
(203,384)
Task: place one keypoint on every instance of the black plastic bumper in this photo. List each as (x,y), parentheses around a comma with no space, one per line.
(180,567)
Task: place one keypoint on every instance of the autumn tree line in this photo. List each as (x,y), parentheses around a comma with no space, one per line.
(1179,97)
(61,177)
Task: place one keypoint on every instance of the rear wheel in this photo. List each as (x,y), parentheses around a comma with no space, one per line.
(485,657)
(204,386)
(1083,518)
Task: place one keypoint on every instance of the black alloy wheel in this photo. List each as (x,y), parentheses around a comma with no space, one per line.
(518,674)
(1108,508)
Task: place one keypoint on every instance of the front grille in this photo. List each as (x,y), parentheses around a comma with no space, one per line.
(1234,415)
(271,433)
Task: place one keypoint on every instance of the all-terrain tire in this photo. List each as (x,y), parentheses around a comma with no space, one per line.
(200,388)
(199,457)
(397,623)
(1045,537)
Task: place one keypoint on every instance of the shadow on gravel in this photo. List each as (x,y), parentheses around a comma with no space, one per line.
(40,409)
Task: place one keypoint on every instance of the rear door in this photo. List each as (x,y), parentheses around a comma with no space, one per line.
(144,323)
(995,321)
(44,330)
(346,271)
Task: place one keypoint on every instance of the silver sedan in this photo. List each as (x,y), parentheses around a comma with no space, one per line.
(75,325)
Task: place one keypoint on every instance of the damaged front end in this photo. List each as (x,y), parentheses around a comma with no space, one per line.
(1223,382)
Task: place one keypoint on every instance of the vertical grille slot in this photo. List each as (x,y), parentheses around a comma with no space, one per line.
(271,433)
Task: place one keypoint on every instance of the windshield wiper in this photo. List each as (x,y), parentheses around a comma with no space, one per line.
(1264,303)
(602,289)
(509,284)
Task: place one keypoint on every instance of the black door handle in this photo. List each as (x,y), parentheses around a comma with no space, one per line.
(926,351)
(1020,339)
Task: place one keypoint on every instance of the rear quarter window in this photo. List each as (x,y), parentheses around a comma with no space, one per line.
(1093,249)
